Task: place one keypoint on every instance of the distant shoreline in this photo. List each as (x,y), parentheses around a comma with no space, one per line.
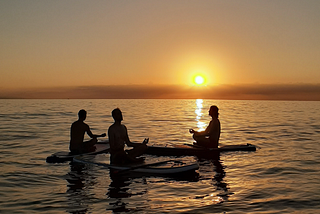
(294,92)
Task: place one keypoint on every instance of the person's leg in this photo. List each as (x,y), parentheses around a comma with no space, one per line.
(206,143)
(89,146)
(202,141)
(137,151)
(119,158)
(199,137)
(75,152)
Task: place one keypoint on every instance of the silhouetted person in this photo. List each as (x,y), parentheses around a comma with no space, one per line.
(78,129)
(209,137)
(118,137)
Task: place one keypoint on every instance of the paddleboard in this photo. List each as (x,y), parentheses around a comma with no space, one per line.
(192,150)
(168,167)
(59,157)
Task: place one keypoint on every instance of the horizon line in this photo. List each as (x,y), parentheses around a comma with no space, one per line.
(299,92)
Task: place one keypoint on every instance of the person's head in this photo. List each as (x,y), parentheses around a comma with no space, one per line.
(82,114)
(214,111)
(117,115)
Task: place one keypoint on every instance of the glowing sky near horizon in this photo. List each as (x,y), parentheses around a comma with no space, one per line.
(83,43)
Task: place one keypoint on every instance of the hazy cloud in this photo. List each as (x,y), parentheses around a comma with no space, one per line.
(232,92)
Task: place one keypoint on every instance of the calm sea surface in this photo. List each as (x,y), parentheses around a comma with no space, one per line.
(282,176)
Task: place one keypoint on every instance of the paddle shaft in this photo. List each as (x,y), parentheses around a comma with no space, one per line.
(131,168)
(143,166)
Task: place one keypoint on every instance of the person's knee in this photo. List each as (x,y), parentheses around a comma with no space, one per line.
(93,141)
(143,147)
(199,137)
(140,149)
(194,137)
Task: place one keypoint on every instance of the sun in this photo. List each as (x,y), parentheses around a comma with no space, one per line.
(199,80)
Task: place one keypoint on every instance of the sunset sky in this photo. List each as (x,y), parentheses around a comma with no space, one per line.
(76,43)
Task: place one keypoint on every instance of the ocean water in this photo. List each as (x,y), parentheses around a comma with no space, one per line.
(282,176)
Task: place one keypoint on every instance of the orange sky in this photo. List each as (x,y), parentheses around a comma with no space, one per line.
(82,43)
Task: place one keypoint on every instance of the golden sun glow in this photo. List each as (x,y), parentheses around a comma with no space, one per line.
(199,80)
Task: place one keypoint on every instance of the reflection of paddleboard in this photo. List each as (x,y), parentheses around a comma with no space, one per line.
(67,156)
(168,167)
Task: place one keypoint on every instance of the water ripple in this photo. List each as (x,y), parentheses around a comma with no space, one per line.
(280,177)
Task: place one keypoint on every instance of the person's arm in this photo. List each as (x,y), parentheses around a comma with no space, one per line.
(93,135)
(208,129)
(101,135)
(111,138)
(127,140)
(131,144)
(202,133)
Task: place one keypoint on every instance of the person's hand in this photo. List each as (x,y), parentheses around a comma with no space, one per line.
(191,131)
(145,141)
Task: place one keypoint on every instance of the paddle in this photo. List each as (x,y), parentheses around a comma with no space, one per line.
(90,162)
(145,166)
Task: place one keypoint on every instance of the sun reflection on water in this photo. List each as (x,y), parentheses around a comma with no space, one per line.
(198,111)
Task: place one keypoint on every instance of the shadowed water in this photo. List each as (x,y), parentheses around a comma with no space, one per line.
(282,176)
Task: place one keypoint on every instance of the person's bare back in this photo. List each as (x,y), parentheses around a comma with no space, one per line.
(78,129)
(77,132)
(117,137)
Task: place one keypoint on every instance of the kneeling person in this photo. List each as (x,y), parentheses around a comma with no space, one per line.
(118,137)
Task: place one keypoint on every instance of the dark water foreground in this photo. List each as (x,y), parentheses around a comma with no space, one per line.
(280,177)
